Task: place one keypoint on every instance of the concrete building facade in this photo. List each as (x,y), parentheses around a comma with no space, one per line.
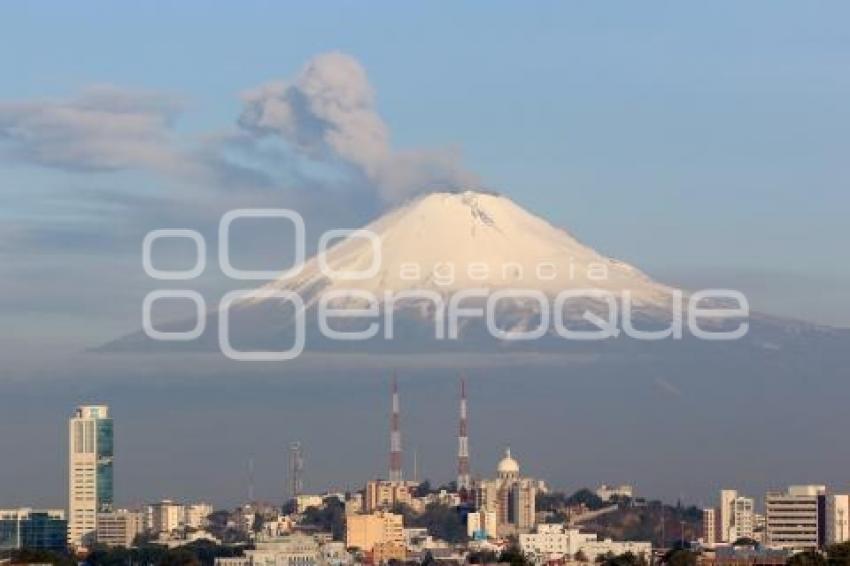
(119,527)
(90,460)
(365,531)
(837,518)
(795,519)
(709,527)
(510,496)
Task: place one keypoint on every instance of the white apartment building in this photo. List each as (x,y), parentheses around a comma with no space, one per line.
(195,515)
(291,550)
(743,518)
(90,453)
(304,502)
(793,517)
(607,492)
(165,516)
(595,549)
(553,542)
(709,527)
(837,518)
(736,516)
(556,542)
(481,524)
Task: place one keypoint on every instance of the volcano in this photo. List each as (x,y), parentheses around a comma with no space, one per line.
(447,242)
(390,283)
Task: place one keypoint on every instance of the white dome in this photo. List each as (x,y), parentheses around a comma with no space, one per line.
(508,465)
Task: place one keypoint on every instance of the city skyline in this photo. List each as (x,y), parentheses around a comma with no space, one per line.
(261,251)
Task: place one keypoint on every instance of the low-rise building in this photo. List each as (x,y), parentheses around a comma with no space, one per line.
(365,531)
(38,529)
(304,502)
(607,492)
(383,552)
(196,515)
(385,495)
(164,516)
(119,528)
(481,525)
(555,542)
(291,550)
(354,503)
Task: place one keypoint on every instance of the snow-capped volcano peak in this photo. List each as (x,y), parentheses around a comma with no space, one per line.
(447,242)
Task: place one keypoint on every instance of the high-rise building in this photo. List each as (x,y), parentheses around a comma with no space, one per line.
(90,453)
(510,496)
(296,469)
(736,516)
(33,529)
(796,517)
(724,515)
(709,526)
(743,518)
(837,518)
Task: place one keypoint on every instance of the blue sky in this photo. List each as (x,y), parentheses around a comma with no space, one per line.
(704,142)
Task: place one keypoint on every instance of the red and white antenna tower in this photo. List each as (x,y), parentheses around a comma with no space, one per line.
(463,482)
(395,438)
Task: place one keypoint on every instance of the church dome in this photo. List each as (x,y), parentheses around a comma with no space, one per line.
(508,466)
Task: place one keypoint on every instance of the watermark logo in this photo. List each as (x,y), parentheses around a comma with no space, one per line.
(709,314)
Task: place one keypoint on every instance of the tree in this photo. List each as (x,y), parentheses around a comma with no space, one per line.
(625,559)
(839,553)
(587,498)
(31,556)
(514,556)
(423,489)
(330,517)
(580,556)
(443,522)
(290,507)
(808,558)
(680,557)
(483,557)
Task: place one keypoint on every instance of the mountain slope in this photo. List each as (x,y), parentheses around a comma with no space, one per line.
(447,242)
(440,246)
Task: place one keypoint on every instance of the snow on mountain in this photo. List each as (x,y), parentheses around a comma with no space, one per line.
(446,242)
